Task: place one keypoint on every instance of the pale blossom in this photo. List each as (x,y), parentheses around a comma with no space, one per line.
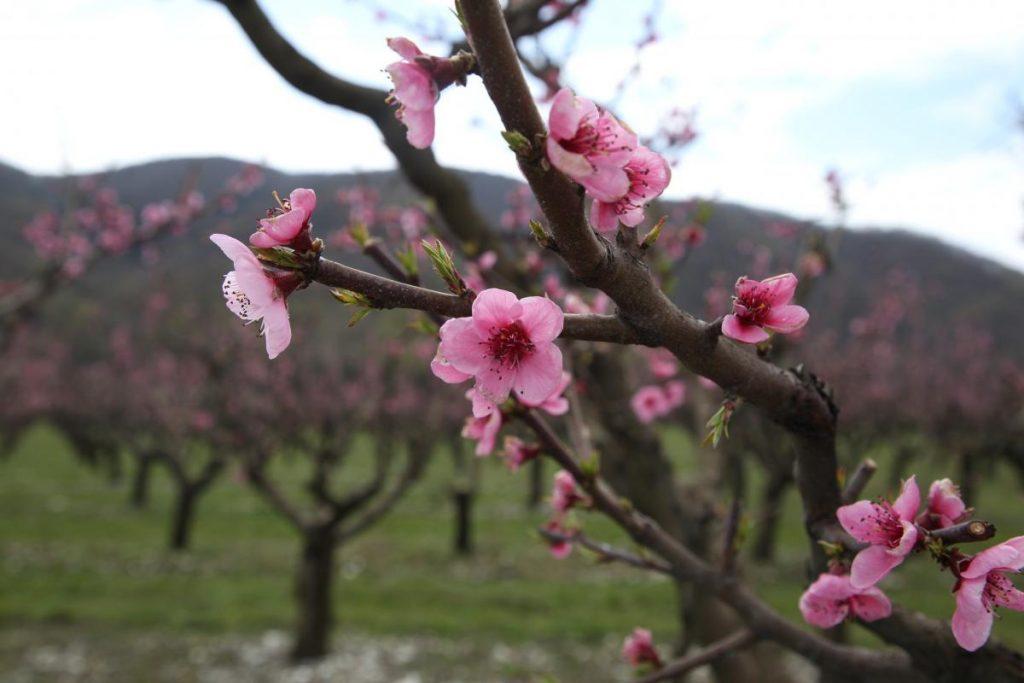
(889,530)
(416,92)
(252,294)
(830,599)
(759,306)
(982,587)
(507,345)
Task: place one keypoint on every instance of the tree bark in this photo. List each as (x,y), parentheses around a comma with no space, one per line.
(313,582)
(184,515)
(772,494)
(535,494)
(463,500)
(140,481)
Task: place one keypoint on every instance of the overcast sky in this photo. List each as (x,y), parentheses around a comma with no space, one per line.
(914,101)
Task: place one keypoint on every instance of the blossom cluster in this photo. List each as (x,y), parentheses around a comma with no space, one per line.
(894,530)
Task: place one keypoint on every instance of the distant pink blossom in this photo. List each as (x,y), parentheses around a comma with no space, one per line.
(648,174)
(518,452)
(288,222)
(507,344)
(564,496)
(889,530)
(654,401)
(638,649)
(982,587)
(830,599)
(945,506)
(252,294)
(588,144)
(759,306)
(662,362)
(560,549)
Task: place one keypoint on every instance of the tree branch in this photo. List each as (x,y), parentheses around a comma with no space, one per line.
(606,552)
(706,655)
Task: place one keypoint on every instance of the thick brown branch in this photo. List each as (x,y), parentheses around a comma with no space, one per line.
(706,655)
(858,481)
(967,532)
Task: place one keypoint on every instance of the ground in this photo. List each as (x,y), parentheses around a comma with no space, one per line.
(91,594)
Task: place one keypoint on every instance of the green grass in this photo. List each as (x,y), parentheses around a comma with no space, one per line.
(74,554)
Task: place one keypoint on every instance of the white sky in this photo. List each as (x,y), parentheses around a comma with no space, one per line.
(914,101)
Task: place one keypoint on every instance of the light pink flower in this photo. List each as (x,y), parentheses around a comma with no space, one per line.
(283,228)
(654,401)
(831,598)
(518,452)
(648,174)
(415,91)
(638,648)
(758,306)
(555,404)
(945,507)
(507,345)
(564,495)
(589,144)
(662,362)
(484,424)
(252,294)
(888,528)
(983,586)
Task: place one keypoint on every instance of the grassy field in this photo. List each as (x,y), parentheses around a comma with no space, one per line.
(75,559)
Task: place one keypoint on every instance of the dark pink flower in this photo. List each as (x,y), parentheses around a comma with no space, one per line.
(759,306)
(638,649)
(518,452)
(589,144)
(562,548)
(252,294)
(507,345)
(889,529)
(648,174)
(982,587)
(832,598)
(564,495)
(283,227)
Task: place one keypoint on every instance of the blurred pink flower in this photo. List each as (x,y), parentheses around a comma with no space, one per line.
(654,401)
(831,598)
(252,294)
(945,507)
(564,495)
(638,648)
(764,305)
(507,345)
(560,549)
(648,174)
(518,452)
(889,529)
(982,587)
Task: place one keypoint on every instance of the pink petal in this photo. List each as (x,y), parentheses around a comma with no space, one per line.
(277,329)
(539,375)
(1011,598)
(734,328)
(462,346)
(655,171)
(404,47)
(495,308)
(1002,556)
(495,382)
(781,289)
(285,227)
(542,318)
(237,251)
(236,300)
(603,217)
(907,504)
(263,240)
(745,287)
(632,216)
(446,372)
(303,200)
(566,112)
(971,623)
(944,500)
(419,126)
(860,520)
(820,604)
(871,605)
(414,87)
(786,319)
(606,183)
(571,164)
(872,565)
(907,540)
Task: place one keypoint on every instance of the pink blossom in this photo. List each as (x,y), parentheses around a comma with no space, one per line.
(564,495)
(555,404)
(589,144)
(638,648)
(945,507)
(662,363)
(415,91)
(507,345)
(982,587)
(648,174)
(518,452)
(654,401)
(889,530)
(560,549)
(284,227)
(832,598)
(483,425)
(252,294)
(758,306)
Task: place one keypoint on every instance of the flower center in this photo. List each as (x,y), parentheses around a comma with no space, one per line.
(595,135)
(753,307)
(888,523)
(510,344)
(997,590)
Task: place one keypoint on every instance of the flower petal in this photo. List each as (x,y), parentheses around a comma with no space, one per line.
(872,565)
(972,622)
(734,328)
(566,112)
(495,308)
(571,164)
(446,372)
(277,329)
(462,347)
(404,47)
(871,605)
(539,375)
(419,126)
(542,318)
(603,217)
(909,500)
(789,318)
(781,288)
(606,183)
(237,251)
(1002,556)
(861,520)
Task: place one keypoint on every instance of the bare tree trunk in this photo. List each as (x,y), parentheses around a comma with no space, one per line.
(184,514)
(140,481)
(313,581)
(463,493)
(773,493)
(968,476)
